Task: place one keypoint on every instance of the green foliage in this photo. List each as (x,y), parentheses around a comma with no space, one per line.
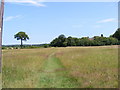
(105,41)
(101,35)
(62,41)
(71,41)
(85,41)
(3,47)
(28,46)
(117,34)
(46,45)
(21,36)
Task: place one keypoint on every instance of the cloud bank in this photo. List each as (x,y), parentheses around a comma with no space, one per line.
(39,3)
(32,2)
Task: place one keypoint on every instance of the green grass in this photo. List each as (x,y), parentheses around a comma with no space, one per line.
(71,67)
(54,75)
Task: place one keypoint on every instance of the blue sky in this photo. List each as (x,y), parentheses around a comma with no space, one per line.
(46,21)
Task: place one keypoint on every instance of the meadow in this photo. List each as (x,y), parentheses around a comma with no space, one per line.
(61,67)
(0,81)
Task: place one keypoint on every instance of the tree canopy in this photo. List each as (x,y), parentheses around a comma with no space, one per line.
(62,41)
(117,34)
(21,36)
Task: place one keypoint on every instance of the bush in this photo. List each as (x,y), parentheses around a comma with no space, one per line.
(46,46)
(4,48)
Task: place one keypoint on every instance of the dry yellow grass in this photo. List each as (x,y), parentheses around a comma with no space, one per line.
(91,66)
(21,67)
(0,81)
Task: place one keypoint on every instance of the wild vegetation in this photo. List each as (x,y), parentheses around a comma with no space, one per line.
(59,64)
(63,67)
(62,41)
(0,80)
(21,36)
(28,46)
(117,34)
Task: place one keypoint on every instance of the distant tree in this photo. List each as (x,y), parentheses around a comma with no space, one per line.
(61,36)
(117,34)
(111,36)
(21,36)
(111,41)
(105,41)
(61,41)
(54,43)
(77,40)
(85,41)
(99,40)
(46,45)
(101,35)
(71,41)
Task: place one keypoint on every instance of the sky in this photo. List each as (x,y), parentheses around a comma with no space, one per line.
(47,20)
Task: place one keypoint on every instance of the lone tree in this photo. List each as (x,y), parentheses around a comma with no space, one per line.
(21,36)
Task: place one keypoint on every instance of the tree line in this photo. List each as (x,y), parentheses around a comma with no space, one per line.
(62,41)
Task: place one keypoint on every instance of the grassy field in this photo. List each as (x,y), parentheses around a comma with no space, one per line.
(70,67)
(0,81)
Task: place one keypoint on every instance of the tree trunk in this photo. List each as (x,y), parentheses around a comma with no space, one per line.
(21,43)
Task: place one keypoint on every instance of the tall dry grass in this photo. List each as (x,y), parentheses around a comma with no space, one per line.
(93,66)
(21,67)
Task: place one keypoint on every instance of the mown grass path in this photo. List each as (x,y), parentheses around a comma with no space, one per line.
(54,75)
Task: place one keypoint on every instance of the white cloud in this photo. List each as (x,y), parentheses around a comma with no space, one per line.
(9,18)
(32,2)
(107,20)
(37,1)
